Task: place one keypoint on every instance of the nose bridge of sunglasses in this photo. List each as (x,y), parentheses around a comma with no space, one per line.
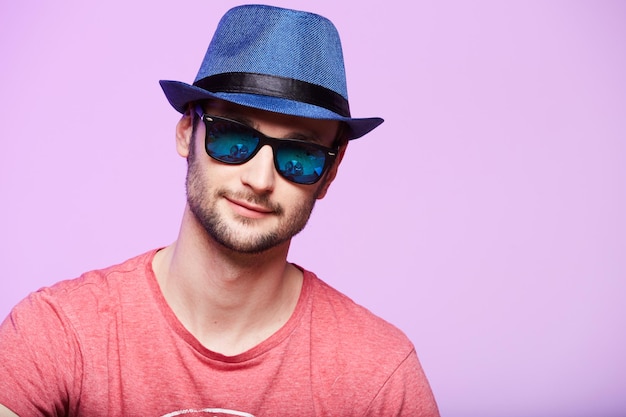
(265,152)
(259,170)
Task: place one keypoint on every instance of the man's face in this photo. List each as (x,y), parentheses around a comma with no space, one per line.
(250,208)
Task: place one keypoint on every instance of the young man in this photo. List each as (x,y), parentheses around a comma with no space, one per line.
(219,323)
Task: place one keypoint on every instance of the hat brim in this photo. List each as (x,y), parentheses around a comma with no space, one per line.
(180,94)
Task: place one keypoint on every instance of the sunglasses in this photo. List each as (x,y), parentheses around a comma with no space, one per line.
(235,143)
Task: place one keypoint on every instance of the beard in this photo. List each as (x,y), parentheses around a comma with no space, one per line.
(239,234)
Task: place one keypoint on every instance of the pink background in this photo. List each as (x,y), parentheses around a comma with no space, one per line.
(485,218)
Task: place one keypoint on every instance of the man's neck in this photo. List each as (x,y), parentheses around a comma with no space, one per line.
(230,302)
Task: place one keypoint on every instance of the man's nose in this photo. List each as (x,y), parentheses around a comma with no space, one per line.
(259,172)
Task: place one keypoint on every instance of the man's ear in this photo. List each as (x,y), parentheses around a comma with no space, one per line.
(184,130)
(332,172)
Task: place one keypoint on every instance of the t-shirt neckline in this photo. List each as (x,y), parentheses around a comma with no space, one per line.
(266,345)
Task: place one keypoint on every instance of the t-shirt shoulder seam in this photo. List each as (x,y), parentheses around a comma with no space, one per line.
(391,374)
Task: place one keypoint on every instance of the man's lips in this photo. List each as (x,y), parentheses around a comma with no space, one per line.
(248,209)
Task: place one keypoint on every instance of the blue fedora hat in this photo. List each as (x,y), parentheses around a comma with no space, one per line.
(274,59)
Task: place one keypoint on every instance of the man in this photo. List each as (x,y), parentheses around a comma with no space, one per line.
(219,323)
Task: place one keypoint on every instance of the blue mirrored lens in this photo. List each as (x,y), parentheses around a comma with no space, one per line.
(300,164)
(230,143)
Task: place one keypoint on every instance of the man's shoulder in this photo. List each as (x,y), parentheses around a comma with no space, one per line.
(92,290)
(352,347)
(353,325)
(103,278)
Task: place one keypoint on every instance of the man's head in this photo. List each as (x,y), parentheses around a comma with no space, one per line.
(280,73)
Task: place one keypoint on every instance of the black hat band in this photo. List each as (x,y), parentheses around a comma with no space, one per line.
(275,86)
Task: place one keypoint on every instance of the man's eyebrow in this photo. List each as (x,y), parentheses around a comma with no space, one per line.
(238,118)
(307,136)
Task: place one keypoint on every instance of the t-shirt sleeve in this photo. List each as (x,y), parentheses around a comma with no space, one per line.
(406,393)
(39,359)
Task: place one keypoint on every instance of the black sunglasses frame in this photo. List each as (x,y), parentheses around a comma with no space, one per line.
(330,154)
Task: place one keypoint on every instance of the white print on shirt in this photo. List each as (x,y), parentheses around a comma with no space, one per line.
(214,412)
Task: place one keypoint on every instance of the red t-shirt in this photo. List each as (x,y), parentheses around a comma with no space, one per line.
(107,344)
